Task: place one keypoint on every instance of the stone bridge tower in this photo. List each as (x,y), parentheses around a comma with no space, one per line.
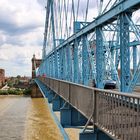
(35,64)
(35,90)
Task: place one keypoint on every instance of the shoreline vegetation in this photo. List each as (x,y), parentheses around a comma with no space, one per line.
(15,91)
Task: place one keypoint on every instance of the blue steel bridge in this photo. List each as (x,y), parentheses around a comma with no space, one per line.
(87,44)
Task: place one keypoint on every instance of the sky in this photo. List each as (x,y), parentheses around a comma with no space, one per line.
(21,34)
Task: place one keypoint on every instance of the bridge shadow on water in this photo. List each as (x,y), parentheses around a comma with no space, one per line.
(39,122)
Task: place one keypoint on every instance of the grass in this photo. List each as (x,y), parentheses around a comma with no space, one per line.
(3,92)
(15,92)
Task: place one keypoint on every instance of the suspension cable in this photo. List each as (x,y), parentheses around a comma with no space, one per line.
(87,10)
(73,10)
(77,9)
(66,25)
(70,22)
(60,14)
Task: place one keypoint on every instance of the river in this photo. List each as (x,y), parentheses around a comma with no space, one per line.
(23,118)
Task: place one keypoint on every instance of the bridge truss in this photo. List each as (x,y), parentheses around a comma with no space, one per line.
(89,42)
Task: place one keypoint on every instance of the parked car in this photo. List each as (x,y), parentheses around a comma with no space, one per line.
(109,84)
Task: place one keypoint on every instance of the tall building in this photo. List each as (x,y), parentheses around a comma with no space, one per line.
(2,77)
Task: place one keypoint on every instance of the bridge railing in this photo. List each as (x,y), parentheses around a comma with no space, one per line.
(117,114)
(79,96)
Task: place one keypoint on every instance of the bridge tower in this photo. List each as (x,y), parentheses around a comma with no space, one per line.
(35,64)
(35,90)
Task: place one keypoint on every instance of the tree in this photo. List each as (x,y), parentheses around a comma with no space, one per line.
(18,76)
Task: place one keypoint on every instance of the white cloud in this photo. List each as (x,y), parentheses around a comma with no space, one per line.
(18,58)
(21,35)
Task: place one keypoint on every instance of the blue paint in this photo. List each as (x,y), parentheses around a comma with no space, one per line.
(65,116)
(69,69)
(50,96)
(85,62)
(88,136)
(71,117)
(134,58)
(93,135)
(99,58)
(69,63)
(124,52)
(77,118)
(76,79)
(56,103)
(76,26)
(102,136)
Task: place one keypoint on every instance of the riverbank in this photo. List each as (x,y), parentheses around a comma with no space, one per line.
(15,91)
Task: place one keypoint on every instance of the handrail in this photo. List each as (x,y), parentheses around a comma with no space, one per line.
(96,89)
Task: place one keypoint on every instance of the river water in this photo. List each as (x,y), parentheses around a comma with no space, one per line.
(23,118)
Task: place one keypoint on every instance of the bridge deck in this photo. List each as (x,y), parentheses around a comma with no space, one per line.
(115,114)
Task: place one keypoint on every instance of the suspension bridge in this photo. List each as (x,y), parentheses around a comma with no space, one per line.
(90,46)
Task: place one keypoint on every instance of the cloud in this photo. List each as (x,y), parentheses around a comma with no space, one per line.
(18,52)
(43,3)
(21,35)
(17,58)
(21,18)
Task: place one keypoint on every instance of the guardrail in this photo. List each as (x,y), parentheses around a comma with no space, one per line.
(117,114)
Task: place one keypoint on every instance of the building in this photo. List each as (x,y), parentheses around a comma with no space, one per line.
(2,77)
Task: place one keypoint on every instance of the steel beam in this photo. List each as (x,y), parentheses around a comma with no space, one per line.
(99,58)
(134,58)
(114,27)
(75,62)
(124,52)
(69,63)
(75,48)
(108,17)
(61,62)
(85,61)
(64,64)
